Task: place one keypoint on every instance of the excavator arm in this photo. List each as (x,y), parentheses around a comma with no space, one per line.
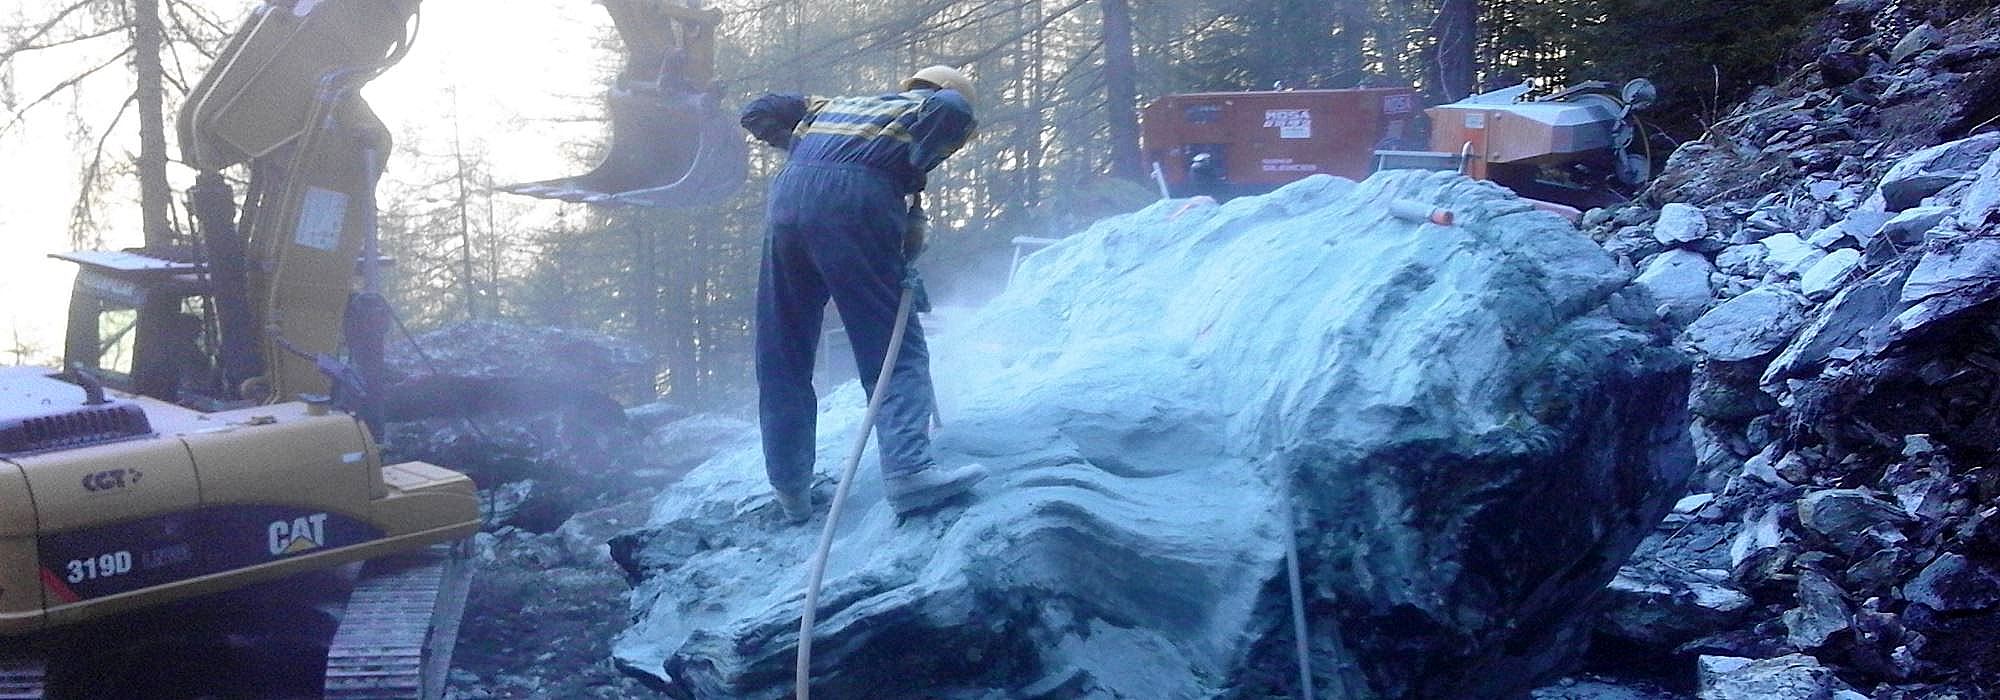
(271,291)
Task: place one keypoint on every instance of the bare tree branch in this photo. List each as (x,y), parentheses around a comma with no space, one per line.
(64,85)
(46,27)
(66,41)
(83,213)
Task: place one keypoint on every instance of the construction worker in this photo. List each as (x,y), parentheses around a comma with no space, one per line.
(842,224)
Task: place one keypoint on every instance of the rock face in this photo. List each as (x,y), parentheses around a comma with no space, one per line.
(1160,399)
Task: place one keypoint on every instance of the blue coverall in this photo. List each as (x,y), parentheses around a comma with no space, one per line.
(837,217)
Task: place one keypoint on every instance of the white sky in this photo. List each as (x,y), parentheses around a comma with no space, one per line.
(522,72)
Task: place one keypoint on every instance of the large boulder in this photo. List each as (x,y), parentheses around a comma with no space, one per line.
(1464,428)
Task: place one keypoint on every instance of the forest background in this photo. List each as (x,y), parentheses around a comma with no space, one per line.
(1059,83)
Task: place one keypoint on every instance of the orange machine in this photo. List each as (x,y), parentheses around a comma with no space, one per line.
(1571,147)
(1261,140)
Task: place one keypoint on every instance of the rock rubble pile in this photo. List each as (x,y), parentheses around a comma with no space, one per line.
(1833,249)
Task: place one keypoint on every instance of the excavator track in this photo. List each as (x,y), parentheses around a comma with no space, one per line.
(396,637)
(21,678)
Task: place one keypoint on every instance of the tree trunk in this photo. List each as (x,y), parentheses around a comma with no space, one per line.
(1456,33)
(1121,91)
(155,199)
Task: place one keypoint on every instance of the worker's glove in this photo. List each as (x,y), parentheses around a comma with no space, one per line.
(916,228)
(920,302)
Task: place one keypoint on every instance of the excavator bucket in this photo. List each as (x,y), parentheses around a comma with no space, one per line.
(672,144)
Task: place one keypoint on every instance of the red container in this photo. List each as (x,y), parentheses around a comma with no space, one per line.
(1267,139)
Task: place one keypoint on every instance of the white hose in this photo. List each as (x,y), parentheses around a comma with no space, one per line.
(1298,598)
(806,619)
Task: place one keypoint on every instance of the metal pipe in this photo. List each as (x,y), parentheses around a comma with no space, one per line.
(1419,212)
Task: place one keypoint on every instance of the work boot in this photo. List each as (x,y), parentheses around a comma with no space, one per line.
(922,490)
(796,503)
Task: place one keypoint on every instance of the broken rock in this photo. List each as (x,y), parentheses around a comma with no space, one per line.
(1680,224)
(1843,515)
(1930,170)
(1829,274)
(1954,583)
(1787,253)
(1792,677)
(1667,608)
(1948,281)
(1983,196)
(1749,326)
(1844,322)
(1822,612)
(1678,282)
(1909,226)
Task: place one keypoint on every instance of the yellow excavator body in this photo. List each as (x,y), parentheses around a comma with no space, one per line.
(134,502)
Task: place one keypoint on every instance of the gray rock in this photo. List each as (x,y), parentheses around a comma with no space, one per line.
(1954,583)
(1792,677)
(1925,172)
(1749,326)
(1712,455)
(1923,38)
(1844,322)
(1680,224)
(1670,607)
(1826,276)
(1633,243)
(1144,411)
(1947,281)
(585,536)
(1877,572)
(1928,497)
(682,444)
(1822,612)
(1833,237)
(1677,280)
(1843,515)
(1909,226)
(1983,197)
(1759,532)
(1746,260)
(1787,254)
(1728,392)
(1770,219)
(1859,8)
(1693,502)
(1918,444)
(1856,230)
(650,416)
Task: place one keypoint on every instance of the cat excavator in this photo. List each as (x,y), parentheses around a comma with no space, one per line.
(210,448)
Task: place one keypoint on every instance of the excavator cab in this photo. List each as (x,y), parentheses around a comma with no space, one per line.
(672,144)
